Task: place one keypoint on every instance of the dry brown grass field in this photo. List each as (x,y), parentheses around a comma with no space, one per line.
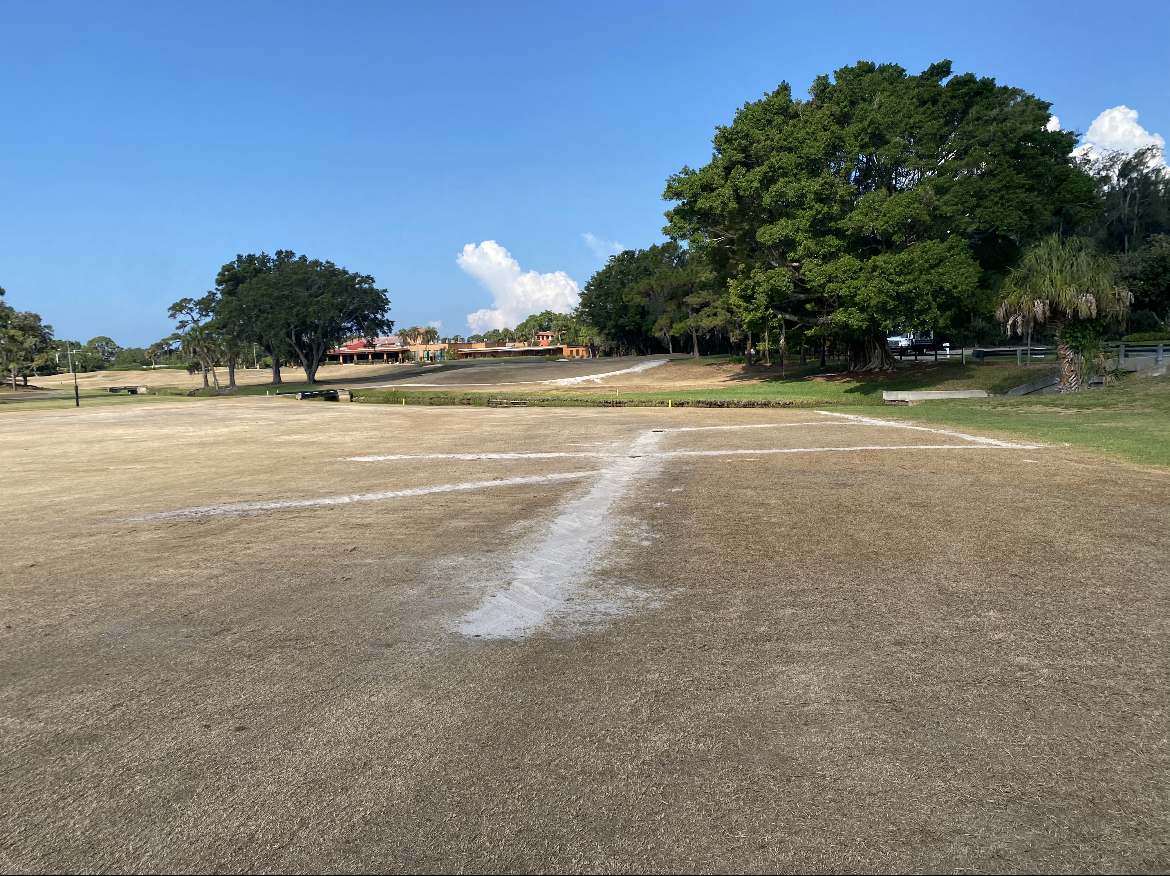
(517,375)
(257,634)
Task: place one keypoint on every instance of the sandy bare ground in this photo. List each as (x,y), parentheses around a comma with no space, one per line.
(258,634)
(627,373)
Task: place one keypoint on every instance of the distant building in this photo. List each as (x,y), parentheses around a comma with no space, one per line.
(483,351)
(391,350)
(388,350)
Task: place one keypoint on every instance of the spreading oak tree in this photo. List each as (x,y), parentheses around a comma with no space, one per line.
(882,201)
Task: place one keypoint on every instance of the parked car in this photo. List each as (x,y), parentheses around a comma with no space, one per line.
(911,342)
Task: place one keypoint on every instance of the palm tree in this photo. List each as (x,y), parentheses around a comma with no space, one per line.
(1058,282)
(429,335)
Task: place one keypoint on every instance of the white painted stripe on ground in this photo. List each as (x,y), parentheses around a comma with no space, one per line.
(544,579)
(560,381)
(843,449)
(673,453)
(244,508)
(872,421)
(757,426)
(597,378)
(505,455)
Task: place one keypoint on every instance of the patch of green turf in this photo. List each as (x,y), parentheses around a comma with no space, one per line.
(1129,421)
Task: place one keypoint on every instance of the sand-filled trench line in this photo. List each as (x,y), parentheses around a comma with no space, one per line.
(554,570)
(556,381)
(556,567)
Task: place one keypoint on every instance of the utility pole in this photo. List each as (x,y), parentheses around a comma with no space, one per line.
(76,394)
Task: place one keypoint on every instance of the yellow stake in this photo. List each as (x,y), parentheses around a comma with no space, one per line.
(668,402)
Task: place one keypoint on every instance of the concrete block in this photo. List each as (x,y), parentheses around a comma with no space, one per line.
(913,397)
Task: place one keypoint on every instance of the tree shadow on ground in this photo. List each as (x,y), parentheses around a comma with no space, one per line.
(906,376)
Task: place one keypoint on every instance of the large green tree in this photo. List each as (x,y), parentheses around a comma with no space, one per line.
(297,307)
(251,313)
(883,201)
(680,293)
(26,344)
(1135,188)
(1146,272)
(198,338)
(315,305)
(624,324)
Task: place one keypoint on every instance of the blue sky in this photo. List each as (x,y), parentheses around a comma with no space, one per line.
(143,145)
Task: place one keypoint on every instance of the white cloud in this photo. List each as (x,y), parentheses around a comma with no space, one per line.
(1117,129)
(1053,124)
(602,247)
(516,294)
(436,323)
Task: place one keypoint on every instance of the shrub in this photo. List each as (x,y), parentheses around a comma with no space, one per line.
(1146,337)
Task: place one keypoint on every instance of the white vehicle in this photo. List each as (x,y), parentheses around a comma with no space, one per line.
(911,342)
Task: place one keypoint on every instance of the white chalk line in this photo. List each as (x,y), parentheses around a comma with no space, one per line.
(864,447)
(245,508)
(473,456)
(647,442)
(560,381)
(756,426)
(674,453)
(545,578)
(978,439)
(597,378)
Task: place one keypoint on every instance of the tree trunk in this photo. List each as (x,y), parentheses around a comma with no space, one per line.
(694,334)
(203,371)
(231,363)
(747,350)
(783,348)
(768,346)
(870,353)
(1070,365)
(803,355)
(275,364)
(824,350)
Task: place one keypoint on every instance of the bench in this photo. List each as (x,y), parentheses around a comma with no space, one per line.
(133,390)
(507,402)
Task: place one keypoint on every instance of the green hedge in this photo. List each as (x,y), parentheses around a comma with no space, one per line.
(1146,338)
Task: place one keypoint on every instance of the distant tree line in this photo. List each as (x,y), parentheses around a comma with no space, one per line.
(884,202)
(28,349)
(569,328)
